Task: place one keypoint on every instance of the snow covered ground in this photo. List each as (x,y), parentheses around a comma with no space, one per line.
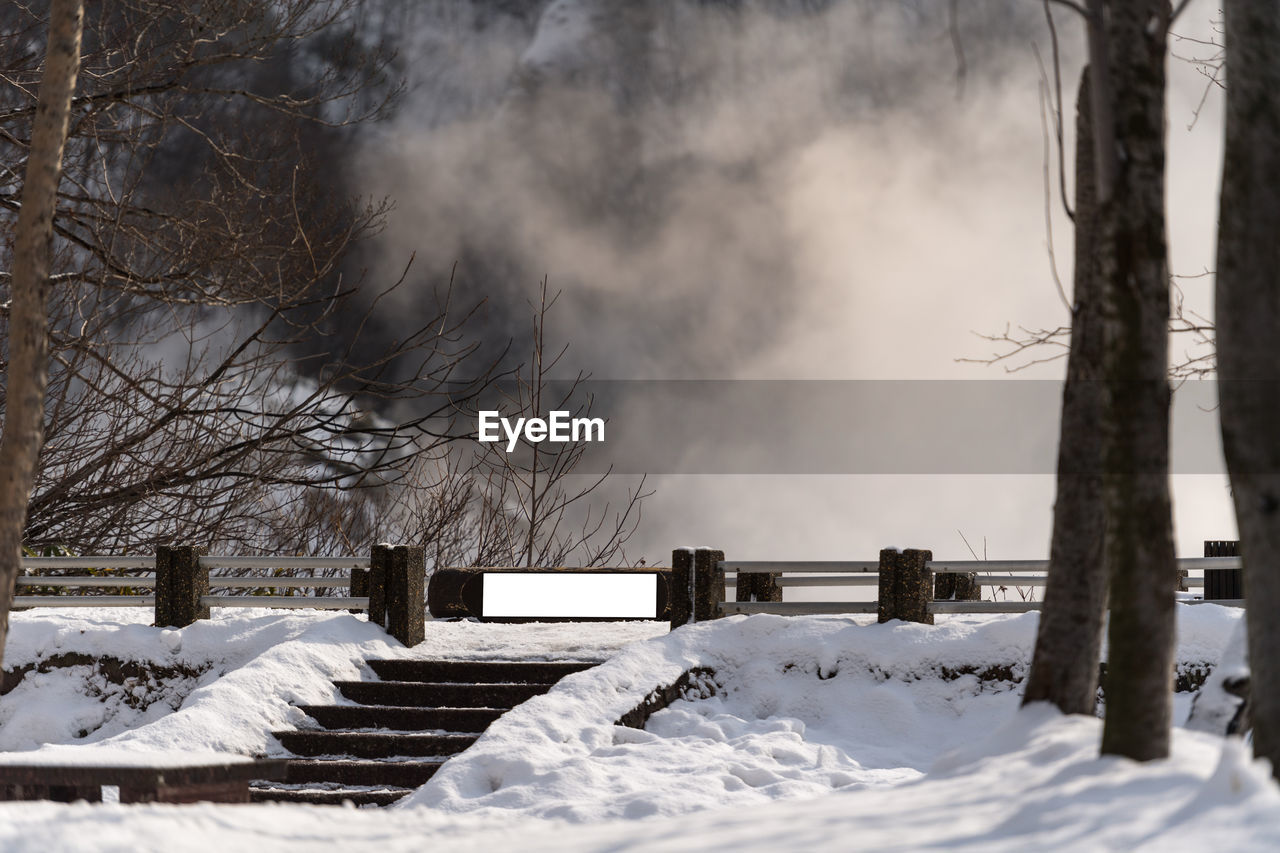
(822,733)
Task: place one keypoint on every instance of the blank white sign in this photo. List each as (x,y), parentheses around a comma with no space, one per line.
(565,595)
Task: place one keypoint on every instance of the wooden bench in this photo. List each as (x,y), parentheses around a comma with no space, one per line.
(212,782)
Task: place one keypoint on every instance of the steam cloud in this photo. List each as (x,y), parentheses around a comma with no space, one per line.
(727,190)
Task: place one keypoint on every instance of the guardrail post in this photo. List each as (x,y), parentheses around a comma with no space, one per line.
(956,586)
(886,599)
(397,577)
(708,584)
(758,586)
(180,583)
(376,582)
(906,586)
(1223,584)
(359,587)
(681,603)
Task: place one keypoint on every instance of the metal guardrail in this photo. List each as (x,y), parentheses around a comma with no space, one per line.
(216,561)
(774,566)
(147,582)
(286,601)
(985,606)
(224,562)
(84,601)
(177,582)
(862,573)
(799,608)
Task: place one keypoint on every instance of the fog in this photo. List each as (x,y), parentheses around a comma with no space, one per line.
(784,190)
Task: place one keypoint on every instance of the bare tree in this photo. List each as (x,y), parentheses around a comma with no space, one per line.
(1127,48)
(27,370)
(1248,337)
(1064,668)
(214,377)
(534,506)
(198,390)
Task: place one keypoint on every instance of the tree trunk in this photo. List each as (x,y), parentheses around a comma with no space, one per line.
(29,284)
(1132,253)
(1248,338)
(1064,669)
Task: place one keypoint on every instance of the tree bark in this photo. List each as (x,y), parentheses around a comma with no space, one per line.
(1064,668)
(1133,258)
(29,284)
(1248,338)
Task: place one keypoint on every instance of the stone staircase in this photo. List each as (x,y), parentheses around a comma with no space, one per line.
(396,732)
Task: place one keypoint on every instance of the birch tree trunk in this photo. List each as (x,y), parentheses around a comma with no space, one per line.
(29,284)
(1134,268)
(1064,668)
(1248,338)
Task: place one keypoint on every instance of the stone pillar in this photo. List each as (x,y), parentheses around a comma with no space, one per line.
(906,586)
(956,586)
(397,579)
(359,587)
(758,586)
(180,583)
(886,601)
(680,603)
(1223,584)
(708,584)
(379,560)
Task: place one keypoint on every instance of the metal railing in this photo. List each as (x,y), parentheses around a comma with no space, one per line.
(147,582)
(328,602)
(834,574)
(36,564)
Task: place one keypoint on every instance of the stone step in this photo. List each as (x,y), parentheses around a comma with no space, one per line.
(328,796)
(389,774)
(402,718)
(475,672)
(429,694)
(364,744)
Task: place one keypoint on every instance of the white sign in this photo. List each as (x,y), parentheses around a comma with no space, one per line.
(529,595)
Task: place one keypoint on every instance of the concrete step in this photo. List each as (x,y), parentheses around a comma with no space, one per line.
(476,672)
(389,774)
(327,796)
(402,718)
(428,694)
(365,744)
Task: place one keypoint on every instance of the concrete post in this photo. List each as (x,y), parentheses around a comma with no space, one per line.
(379,560)
(906,586)
(758,586)
(708,584)
(681,601)
(402,570)
(1223,584)
(359,587)
(956,586)
(180,583)
(886,600)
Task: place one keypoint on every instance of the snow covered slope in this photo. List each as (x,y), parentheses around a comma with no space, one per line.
(824,734)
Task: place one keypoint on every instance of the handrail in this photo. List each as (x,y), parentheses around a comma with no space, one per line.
(774,566)
(218,561)
(799,608)
(231,582)
(288,601)
(84,601)
(88,562)
(145,582)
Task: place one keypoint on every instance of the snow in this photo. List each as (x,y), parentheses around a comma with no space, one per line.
(253,665)
(824,733)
